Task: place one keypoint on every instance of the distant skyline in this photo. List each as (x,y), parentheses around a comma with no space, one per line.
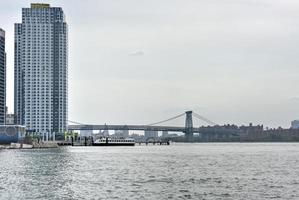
(137,62)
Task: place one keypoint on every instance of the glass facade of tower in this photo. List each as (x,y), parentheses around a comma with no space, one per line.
(2,77)
(41,69)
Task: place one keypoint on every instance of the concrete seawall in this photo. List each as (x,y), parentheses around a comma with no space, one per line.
(34,145)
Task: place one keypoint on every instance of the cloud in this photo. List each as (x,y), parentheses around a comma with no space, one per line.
(136,53)
(294,99)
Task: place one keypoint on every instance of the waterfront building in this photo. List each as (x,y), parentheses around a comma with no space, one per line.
(164,134)
(11,133)
(295,124)
(85,133)
(121,133)
(41,69)
(2,77)
(10,119)
(105,132)
(150,134)
(173,135)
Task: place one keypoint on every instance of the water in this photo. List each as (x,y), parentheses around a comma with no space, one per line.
(179,171)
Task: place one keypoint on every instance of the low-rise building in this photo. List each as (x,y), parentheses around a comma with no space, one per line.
(9,118)
(11,133)
(85,133)
(165,134)
(121,133)
(295,124)
(150,134)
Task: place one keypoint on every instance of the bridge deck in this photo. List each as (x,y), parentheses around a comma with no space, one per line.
(129,127)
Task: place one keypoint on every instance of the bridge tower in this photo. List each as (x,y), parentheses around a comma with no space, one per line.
(106,131)
(189,127)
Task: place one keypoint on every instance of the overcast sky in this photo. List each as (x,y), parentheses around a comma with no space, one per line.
(141,61)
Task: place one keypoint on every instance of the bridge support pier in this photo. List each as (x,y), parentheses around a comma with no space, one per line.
(189,127)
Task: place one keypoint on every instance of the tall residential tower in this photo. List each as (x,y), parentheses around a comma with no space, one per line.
(2,77)
(41,69)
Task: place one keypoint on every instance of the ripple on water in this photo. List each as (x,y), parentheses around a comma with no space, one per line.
(185,171)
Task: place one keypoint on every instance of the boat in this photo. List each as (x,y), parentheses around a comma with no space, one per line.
(107,141)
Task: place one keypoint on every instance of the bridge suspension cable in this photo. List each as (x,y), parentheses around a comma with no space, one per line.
(172,118)
(204,119)
(77,123)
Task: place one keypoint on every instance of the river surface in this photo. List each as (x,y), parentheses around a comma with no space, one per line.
(179,171)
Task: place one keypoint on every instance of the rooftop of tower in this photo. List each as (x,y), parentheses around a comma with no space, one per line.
(40,5)
(2,32)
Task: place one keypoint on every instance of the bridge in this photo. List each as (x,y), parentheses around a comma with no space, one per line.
(188,129)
